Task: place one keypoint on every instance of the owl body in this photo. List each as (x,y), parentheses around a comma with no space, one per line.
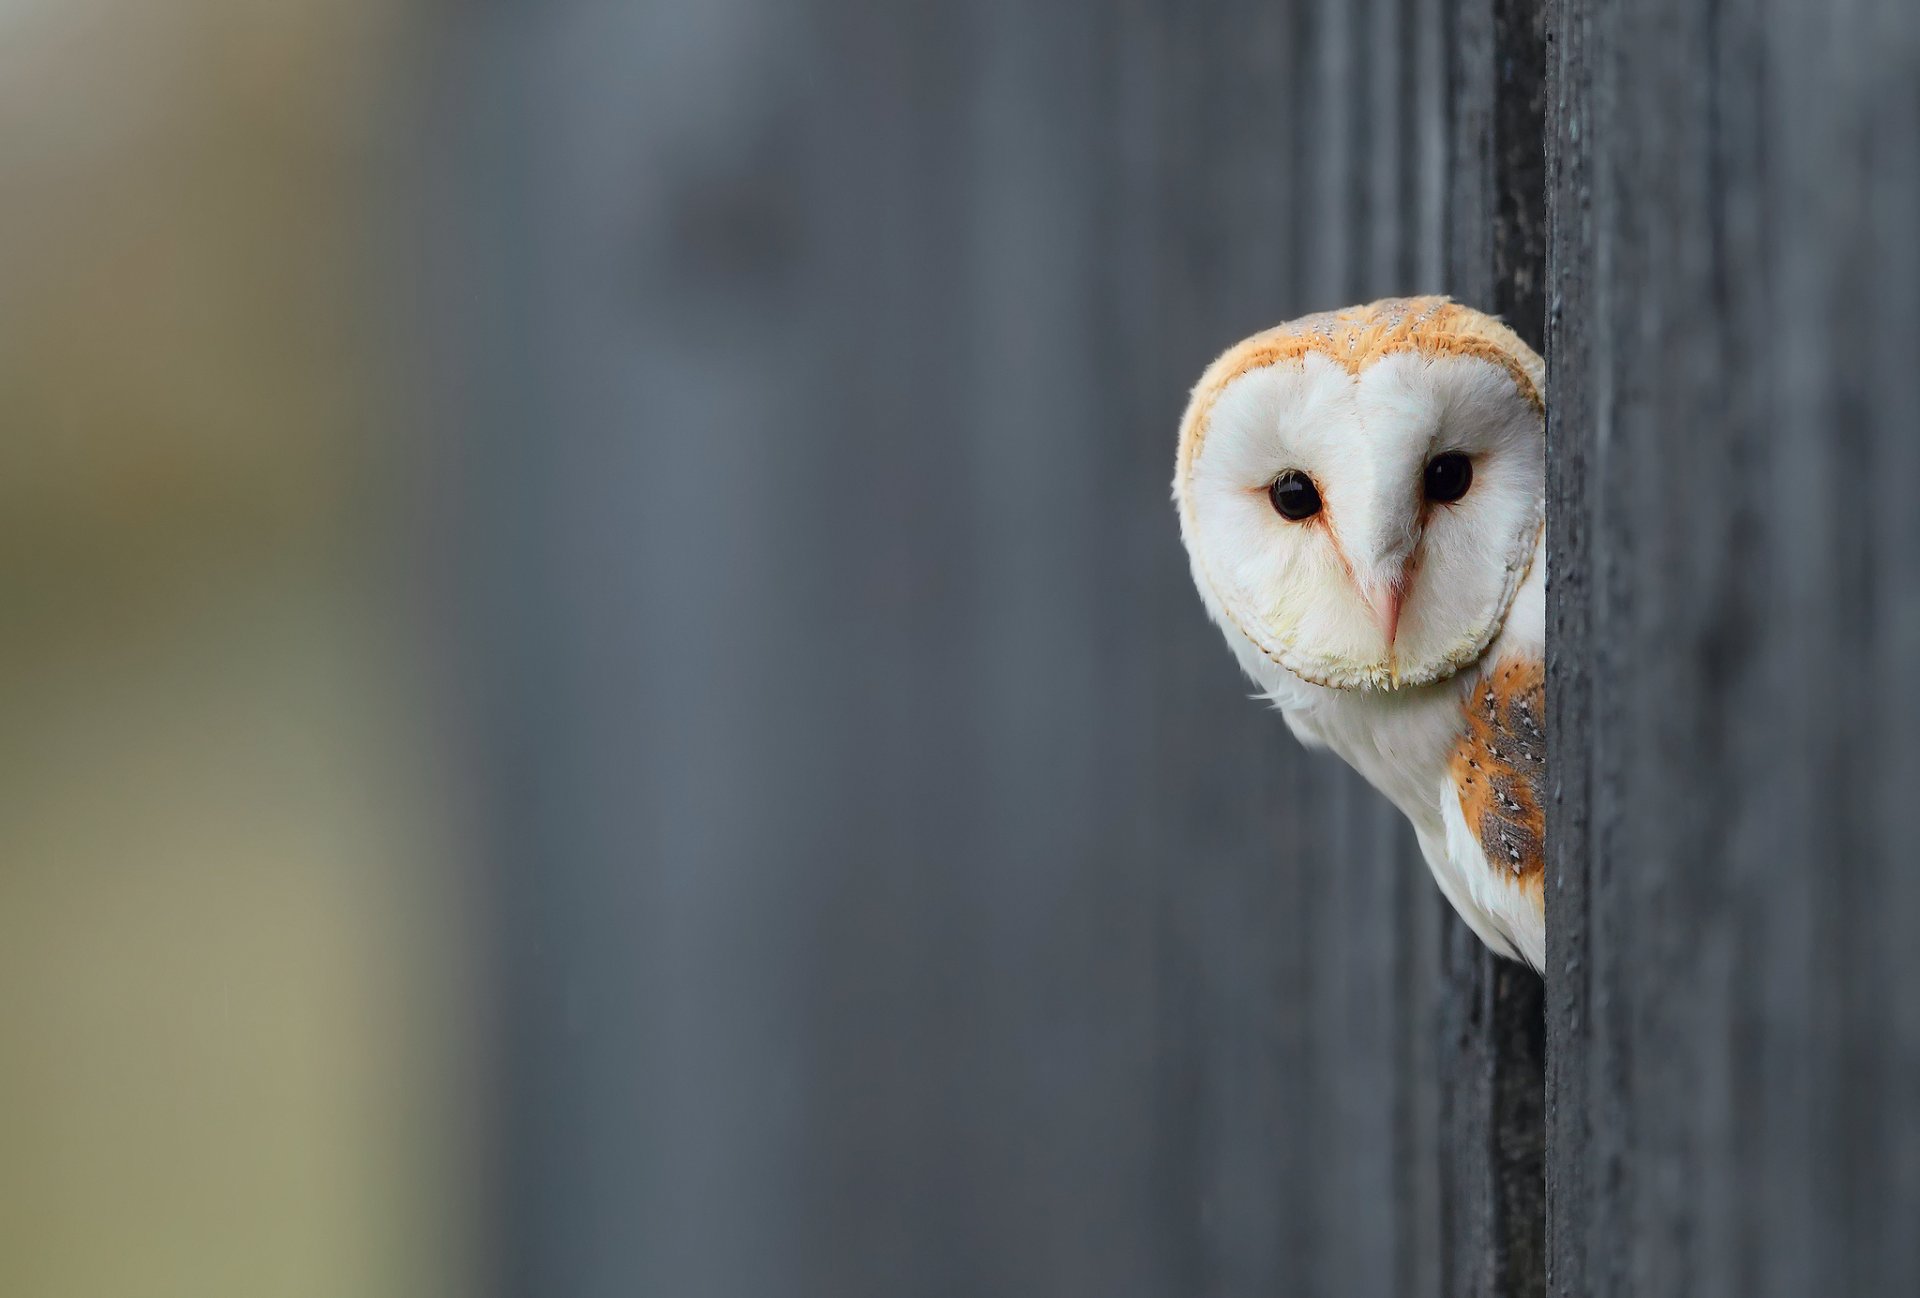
(1362,499)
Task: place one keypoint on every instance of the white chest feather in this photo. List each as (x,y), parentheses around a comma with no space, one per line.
(1404,743)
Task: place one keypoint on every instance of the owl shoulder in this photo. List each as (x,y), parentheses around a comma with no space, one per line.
(1496,799)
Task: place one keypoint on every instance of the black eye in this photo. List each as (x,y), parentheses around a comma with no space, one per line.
(1448,477)
(1293,495)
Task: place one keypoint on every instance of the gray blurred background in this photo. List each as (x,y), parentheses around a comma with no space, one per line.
(897,891)
(605,697)
(602,698)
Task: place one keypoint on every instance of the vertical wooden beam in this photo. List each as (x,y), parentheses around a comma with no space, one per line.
(1493,1030)
(1735,615)
(1572,995)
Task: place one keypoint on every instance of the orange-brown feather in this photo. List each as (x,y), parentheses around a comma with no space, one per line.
(1499,768)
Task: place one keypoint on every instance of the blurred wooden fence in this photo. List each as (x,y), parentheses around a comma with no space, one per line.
(899,894)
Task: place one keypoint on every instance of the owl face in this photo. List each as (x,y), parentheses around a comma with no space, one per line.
(1360,508)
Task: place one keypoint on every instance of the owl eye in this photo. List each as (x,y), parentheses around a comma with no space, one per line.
(1294,496)
(1448,477)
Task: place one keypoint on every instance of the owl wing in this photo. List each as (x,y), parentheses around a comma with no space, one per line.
(1494,805)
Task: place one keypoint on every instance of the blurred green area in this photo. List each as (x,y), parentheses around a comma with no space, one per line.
(236,1016)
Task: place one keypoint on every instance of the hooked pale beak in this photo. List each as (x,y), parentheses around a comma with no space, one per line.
(1386,600)
(1386,611)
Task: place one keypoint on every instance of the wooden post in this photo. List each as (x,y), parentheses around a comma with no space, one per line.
(1735,605)
(1495,1224)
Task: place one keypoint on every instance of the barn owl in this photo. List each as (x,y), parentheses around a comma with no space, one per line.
(1361,494)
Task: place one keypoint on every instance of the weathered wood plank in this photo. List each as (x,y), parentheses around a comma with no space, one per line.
(1494,1059)
(1736,615)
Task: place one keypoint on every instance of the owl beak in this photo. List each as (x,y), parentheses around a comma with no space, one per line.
(1387,598)
(1386,610)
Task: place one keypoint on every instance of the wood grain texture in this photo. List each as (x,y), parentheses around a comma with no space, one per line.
(1496,218)
(1735,620)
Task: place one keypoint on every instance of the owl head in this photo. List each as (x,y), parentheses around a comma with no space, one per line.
(1361,492)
